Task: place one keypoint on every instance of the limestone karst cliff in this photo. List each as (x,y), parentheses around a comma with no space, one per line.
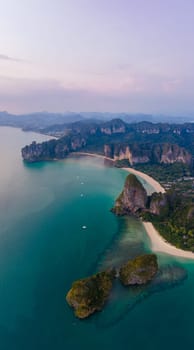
(171,213)
(165,153)
(133,198)
(119,141)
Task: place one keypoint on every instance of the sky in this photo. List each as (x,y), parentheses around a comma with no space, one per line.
(97,55)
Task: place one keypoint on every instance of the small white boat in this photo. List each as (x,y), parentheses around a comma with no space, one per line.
(84,227)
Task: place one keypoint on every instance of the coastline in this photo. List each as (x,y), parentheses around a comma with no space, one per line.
(158,243)
(156,185)
(152,182)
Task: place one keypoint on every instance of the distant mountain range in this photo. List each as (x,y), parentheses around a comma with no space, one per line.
(43,120)
(37,121)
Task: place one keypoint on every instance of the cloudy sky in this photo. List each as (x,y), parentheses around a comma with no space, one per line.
(97,55)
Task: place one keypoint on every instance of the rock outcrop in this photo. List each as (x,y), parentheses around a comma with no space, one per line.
(90,294)
(53,149)
(133,198)
(141,153)
(136,143)
(170,212)
(115,126)
(172,153)
(159,204)
(139,271)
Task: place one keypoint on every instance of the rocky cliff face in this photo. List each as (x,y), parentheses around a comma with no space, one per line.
(53,149)
(174,153)
(133,197)
(117,140)
(115,126)
(159,204)
(39,151)
(134,200)
(148,153)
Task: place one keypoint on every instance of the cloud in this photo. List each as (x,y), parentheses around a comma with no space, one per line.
(4,57)
(20,95)
(172,85)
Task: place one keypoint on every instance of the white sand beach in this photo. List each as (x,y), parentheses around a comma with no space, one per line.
(153,183)
(156,186)
(158,243)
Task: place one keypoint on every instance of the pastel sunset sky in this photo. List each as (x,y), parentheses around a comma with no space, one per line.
(97,55)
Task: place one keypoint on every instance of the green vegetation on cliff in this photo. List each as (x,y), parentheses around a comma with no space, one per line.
(128,143)
(165,172)
(173,216)
(178,226)
(177,177)
(89,294)
(172,212)
(140,270)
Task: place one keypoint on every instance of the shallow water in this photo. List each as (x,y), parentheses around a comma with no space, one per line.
(43,248)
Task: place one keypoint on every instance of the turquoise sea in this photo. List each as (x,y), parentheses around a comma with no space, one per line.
(44,248)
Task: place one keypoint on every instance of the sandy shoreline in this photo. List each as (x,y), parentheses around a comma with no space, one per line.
(158,244)
(156,185)
(153,183)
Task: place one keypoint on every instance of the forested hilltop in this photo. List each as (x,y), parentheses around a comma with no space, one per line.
(136,143)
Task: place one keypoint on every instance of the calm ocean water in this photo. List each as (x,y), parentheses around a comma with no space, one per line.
(43,248)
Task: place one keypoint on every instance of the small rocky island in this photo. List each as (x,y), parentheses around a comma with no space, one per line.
(139,271)
(89,295)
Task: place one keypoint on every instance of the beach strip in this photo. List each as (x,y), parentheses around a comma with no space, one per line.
(153,183)
(158,243)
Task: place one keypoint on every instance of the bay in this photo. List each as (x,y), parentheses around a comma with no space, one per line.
(44,248)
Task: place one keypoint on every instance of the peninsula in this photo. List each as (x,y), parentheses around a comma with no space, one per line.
(165,212)
(137,147)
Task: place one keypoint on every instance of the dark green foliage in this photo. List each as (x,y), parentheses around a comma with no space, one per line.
(89,294)
(176,176)
(147,142)
(171,213)
(176,226)
(165,172)
(124,163)
(140,270)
